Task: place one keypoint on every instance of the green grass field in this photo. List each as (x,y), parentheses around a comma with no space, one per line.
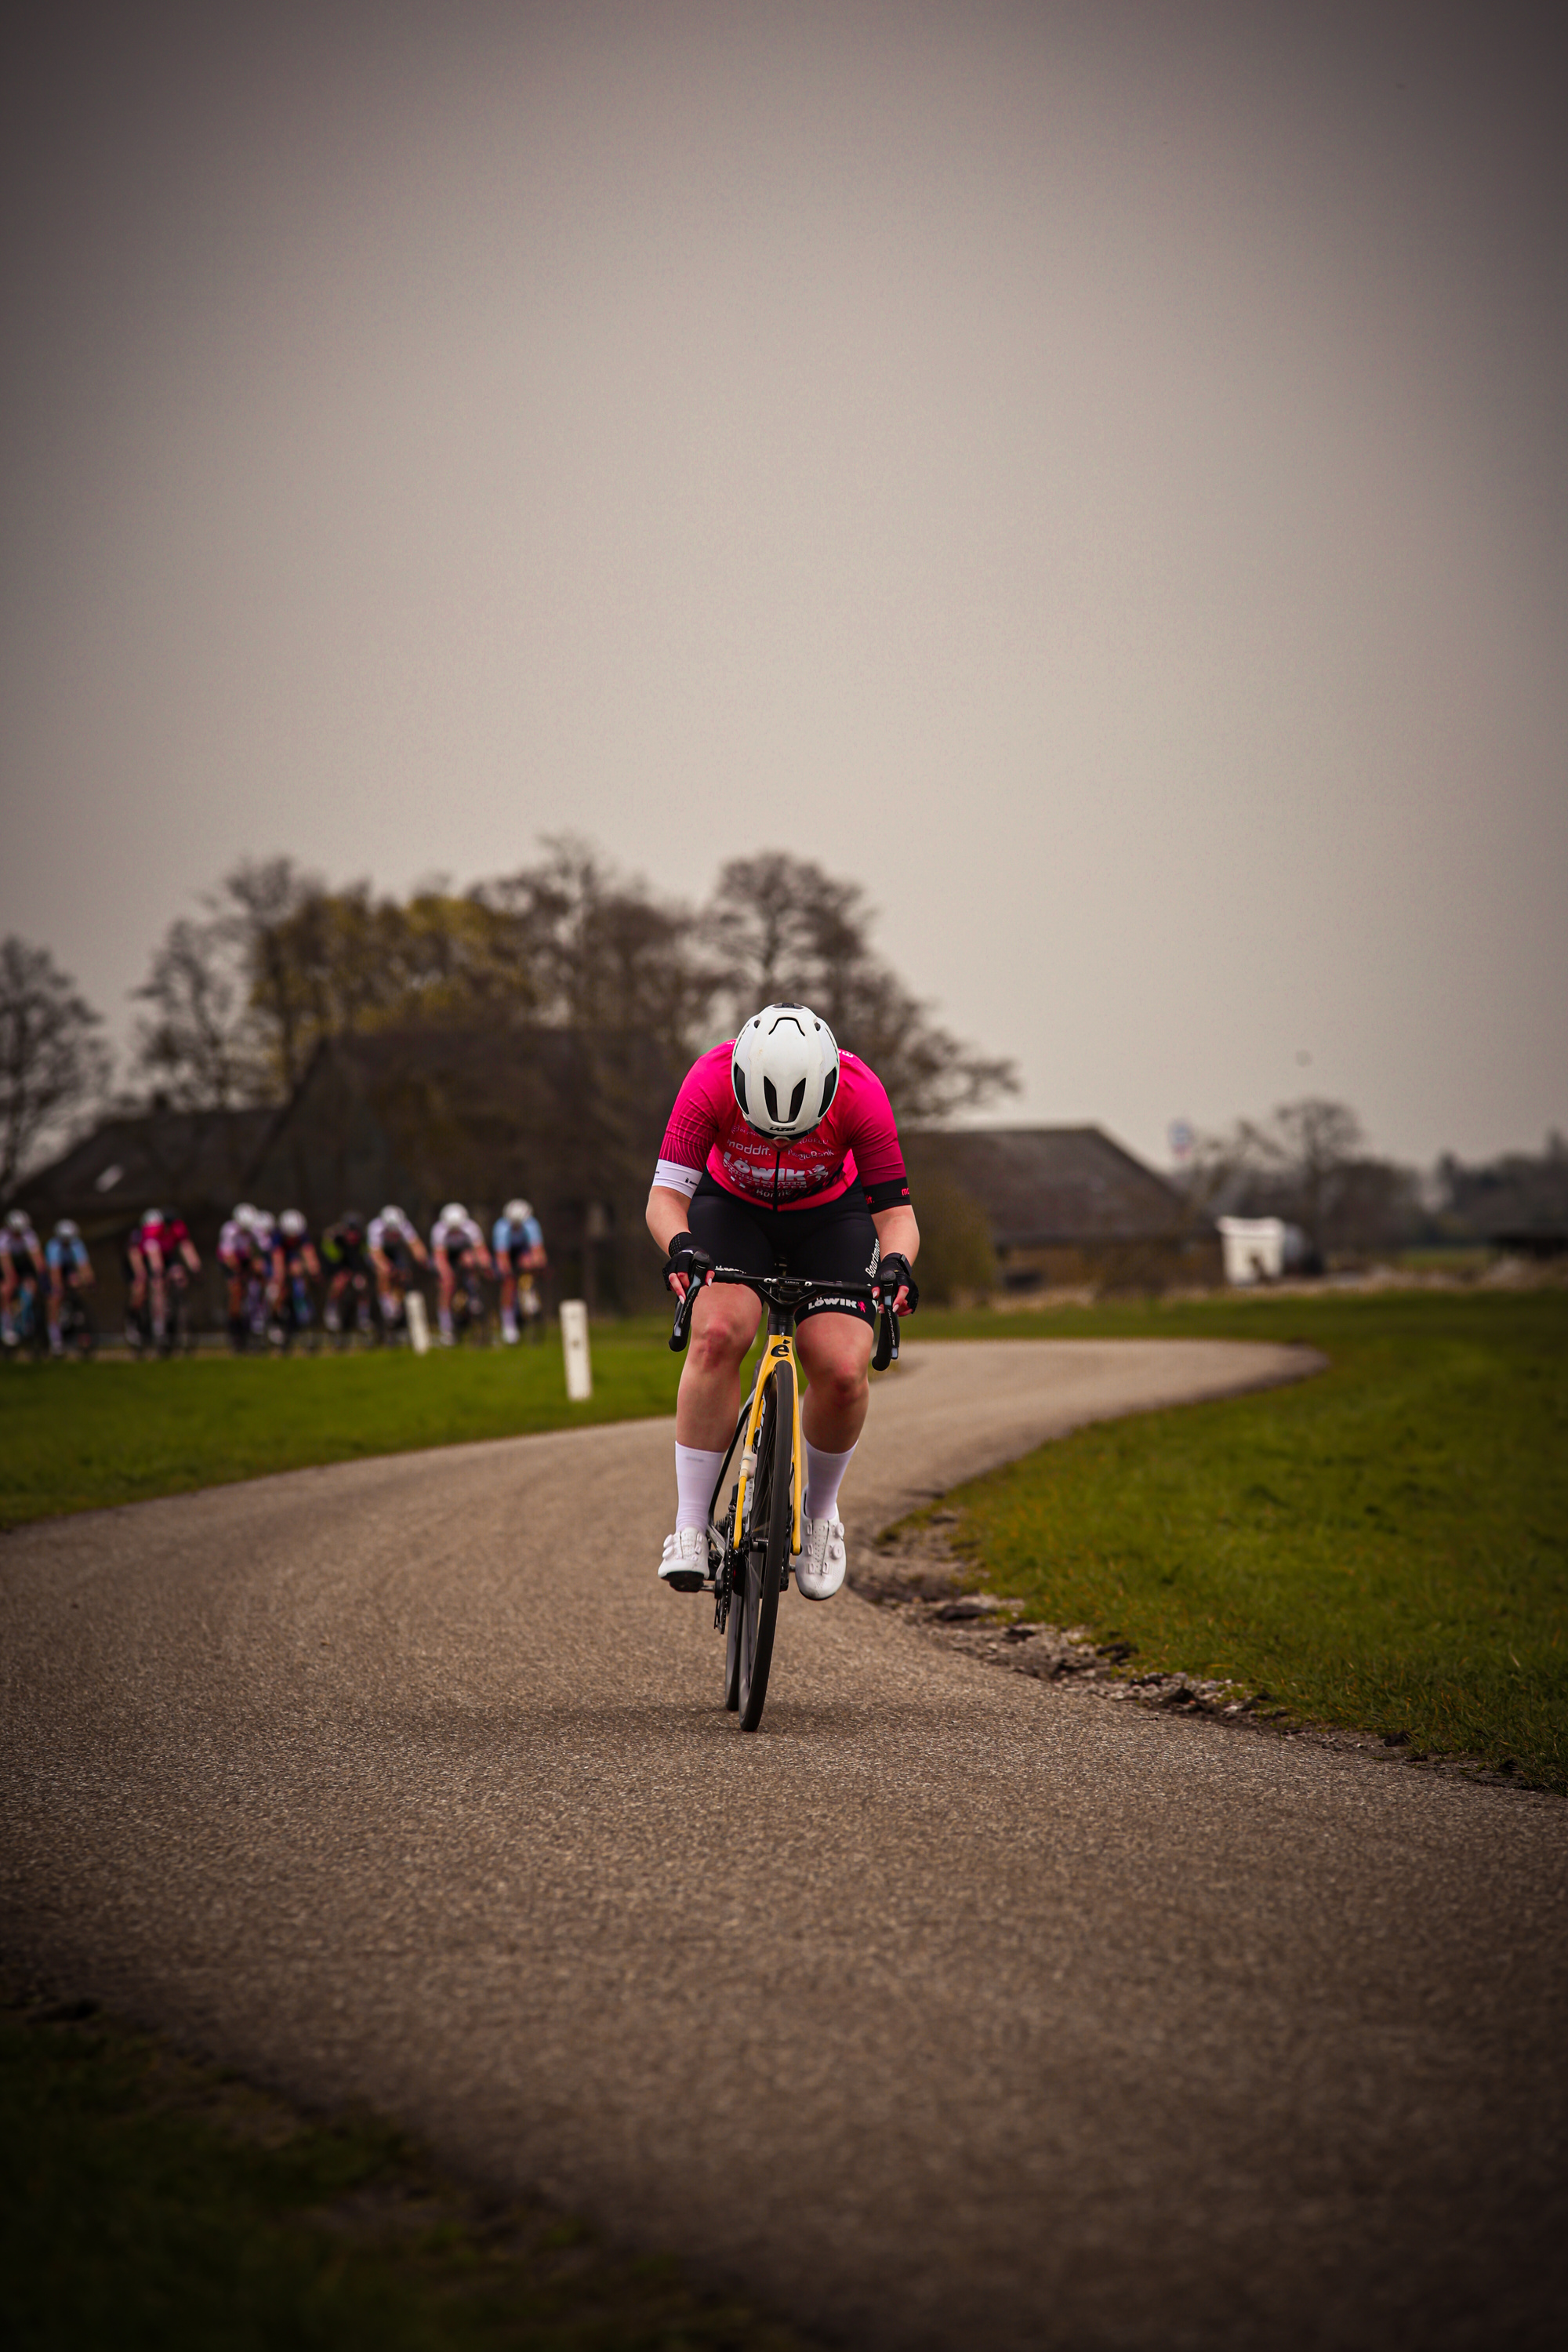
(77,1436)
(1384,1546)
(150,2204)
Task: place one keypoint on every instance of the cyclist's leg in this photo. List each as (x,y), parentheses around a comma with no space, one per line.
(835,1352)
(835,1342)
(723,1326)
(723,1322)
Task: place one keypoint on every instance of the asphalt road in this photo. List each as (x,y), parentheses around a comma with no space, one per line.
(951,2010)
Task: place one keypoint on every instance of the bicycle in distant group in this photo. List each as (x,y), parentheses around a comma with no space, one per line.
(755,1531)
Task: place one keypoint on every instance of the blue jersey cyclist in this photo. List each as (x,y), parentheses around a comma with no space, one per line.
(69,1268)
(516,1245)
(780,1148)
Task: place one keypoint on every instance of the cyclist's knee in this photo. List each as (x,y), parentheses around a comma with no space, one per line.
(837,1355)
(721,1336)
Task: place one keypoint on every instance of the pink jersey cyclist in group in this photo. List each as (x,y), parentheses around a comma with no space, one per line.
(857,1142)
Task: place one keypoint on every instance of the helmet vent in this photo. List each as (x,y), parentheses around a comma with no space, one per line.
(772,1100)
(795,1101)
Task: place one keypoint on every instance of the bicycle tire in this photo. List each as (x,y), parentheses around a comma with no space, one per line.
(767,1547)
(733,1654)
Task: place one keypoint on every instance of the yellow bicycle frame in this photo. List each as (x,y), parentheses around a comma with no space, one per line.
(777,1349)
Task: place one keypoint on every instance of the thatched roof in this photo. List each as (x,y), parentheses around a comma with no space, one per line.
(193,1160)
(1052,1187)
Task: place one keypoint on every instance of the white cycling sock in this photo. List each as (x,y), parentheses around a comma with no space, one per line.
(824,1477)
(697,1469)
(444,1316)
(509,1327)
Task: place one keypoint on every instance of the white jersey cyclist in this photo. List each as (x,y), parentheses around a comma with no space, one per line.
(455,1230)
(19,1245)
(393,1243)
(391,1233)
(780,1149)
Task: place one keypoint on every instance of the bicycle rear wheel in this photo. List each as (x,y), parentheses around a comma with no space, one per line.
(767,1546)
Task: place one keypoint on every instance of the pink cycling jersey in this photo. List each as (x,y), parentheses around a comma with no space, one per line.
(857,1142)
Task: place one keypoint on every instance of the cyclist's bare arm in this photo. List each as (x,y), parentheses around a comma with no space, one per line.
(667,1212)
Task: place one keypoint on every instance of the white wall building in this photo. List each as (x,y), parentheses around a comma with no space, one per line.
(1254,1248)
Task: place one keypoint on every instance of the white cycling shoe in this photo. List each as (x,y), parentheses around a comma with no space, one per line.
(684,1566)
(820,1569)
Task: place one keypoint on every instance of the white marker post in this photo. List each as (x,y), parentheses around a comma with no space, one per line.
(574,1346)
(419,1323)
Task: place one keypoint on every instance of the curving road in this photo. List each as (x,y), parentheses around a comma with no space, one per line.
(950,2010)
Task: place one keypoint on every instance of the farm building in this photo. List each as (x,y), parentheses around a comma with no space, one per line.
(1067,1206)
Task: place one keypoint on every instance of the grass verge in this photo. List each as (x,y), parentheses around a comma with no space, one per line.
(1384,1547)
(146,2201)
(78,1437)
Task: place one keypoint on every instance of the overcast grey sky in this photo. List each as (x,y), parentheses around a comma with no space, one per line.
(1094,474)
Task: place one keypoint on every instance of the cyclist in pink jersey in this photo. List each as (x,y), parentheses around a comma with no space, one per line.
(780,1148)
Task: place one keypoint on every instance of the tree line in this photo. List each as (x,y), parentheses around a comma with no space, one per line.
(240,993)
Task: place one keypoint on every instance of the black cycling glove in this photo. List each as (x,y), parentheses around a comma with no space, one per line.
(686,1257)
(894,1273)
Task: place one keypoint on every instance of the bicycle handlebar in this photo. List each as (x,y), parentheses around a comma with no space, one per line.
(791,1291)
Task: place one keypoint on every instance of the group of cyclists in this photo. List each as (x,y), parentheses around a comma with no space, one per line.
(359,1277)
(280,1283)
(42,1287)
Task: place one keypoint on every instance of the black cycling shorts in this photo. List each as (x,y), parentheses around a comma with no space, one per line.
(838,1243)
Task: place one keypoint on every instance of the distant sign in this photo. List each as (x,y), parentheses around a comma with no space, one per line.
(1181,1138)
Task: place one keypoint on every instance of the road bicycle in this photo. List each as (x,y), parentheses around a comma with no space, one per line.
(293,1315)
(751,1542)
(470,1308)
(78,1331)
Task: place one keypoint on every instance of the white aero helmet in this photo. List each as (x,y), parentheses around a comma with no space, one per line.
(67,1230)
(293,1223)
(518,1212)
(248,1214)
(785,1070)
(392,1215)
(454,1213)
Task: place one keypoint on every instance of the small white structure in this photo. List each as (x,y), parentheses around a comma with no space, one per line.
(1254,1248)
(419,1323)
(574,1345)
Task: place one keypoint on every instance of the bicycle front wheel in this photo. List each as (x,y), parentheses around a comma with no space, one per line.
(767,1545)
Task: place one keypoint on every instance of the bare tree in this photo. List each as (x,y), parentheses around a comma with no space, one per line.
(785,930)
(51,1063)
(201,1045)
(1306,1162)
(565,943)
(256,904)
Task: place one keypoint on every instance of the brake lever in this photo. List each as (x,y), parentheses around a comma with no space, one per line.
(680,1331)
(886,1341)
